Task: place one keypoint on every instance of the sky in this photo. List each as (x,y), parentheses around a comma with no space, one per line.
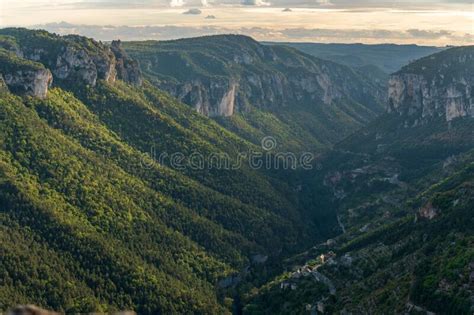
(424,22)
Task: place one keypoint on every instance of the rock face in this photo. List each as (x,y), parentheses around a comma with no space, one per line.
(440,85)
(76,65)
(128,70)
(223,75)
(223,97)
(72,61)
(23,77)
(412,95)
(29,82)
(217,98)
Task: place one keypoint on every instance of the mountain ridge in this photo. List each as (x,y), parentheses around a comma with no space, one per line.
(249,87)
(387,57)
(92,221)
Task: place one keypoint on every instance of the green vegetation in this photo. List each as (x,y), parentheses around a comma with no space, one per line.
(92,221)
(401,257)
(10,63)
(404,197)
(45,46)
(98,220)
(280,91)
(87,227)
(395,254)
(456,63)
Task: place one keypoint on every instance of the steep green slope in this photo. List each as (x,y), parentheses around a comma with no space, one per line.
(105,220)
(257,90)
(404,199)
(100,178)
(92,220)
(414,264)
(379,181)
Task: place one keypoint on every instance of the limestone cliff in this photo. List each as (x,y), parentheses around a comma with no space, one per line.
(127,69)
(222,75)
(440,85)
(73,60)
(77,66)
(23,77)
(29,82)
(210,98)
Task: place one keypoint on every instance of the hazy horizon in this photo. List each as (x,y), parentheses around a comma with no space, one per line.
(336,21)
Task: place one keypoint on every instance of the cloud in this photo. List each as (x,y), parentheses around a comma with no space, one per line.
(288,3)
(109,32)
(347,4)
(177,3)
(428,34)
(193,12)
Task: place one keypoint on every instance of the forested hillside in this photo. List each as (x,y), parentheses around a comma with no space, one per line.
(91,221)
(103,206)
(403,193)
(257,90)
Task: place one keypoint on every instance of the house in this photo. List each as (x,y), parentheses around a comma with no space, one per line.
(327,257)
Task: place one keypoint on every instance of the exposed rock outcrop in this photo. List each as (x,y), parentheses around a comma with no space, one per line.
(216,98)
(413,96)
(29,82)
(227,104)
(428,211)
(23,77)
(224,97)
(128,69)
(437,86)
(72,60)
(77,66)
(223,75)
